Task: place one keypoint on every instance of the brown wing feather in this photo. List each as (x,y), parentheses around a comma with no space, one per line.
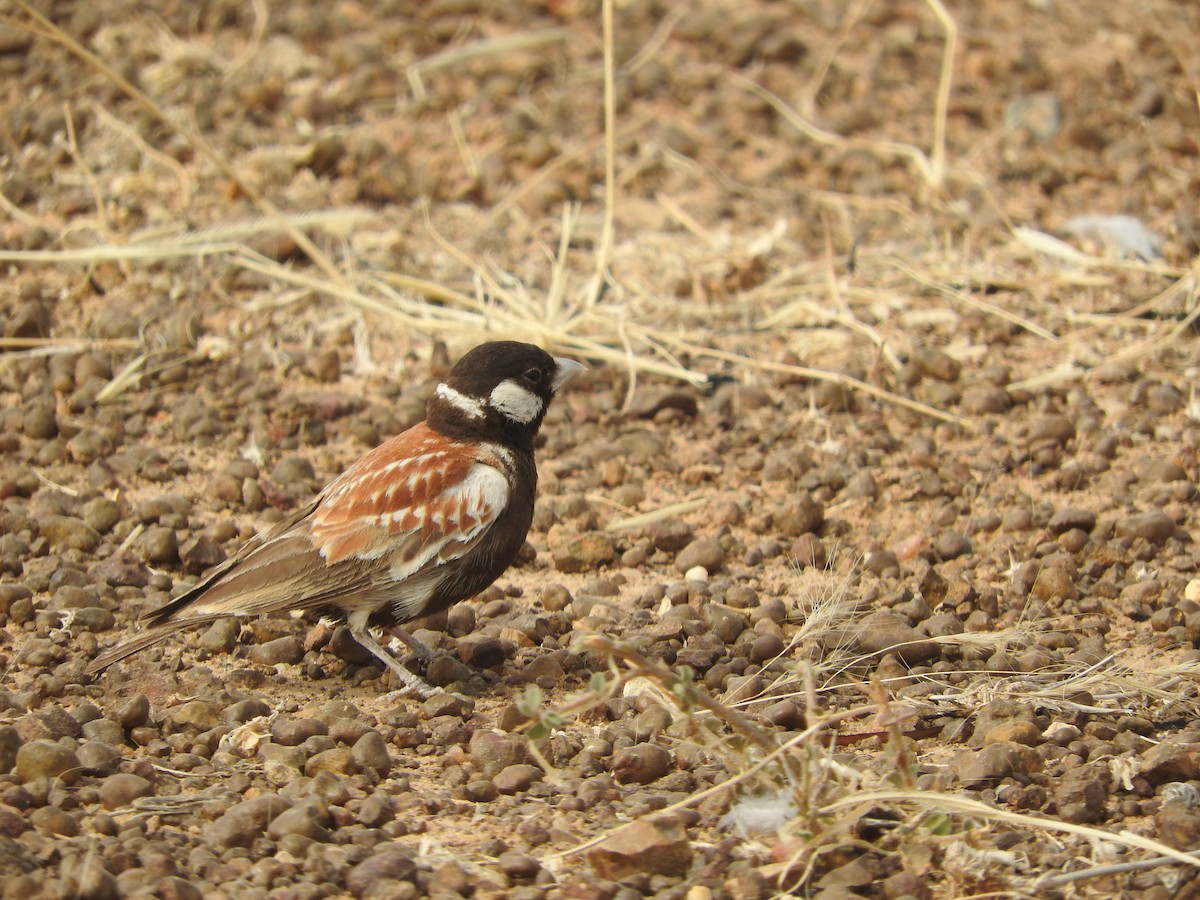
(410,504)
(167,611)
(395,490)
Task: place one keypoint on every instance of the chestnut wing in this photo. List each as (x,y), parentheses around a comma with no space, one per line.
(376,533)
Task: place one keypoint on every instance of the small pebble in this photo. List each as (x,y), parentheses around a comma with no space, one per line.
(640,764)
(703,553)
(1154,527)
(46,759)
(120,790)
(281,651)
(516,778)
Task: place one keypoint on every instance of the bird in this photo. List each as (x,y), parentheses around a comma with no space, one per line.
(430,517)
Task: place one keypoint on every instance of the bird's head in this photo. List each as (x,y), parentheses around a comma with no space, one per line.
(499,391)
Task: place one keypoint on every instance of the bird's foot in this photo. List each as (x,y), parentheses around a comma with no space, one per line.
(414,685)
(418,649)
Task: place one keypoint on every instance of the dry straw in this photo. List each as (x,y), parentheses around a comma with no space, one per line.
(591,320)
(574,319)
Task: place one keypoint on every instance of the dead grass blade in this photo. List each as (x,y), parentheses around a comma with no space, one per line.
(57,346)
(954,804)
(975,303)
(932,166)
(838,378)
(129,375)
(604,251)
(43,26)
(492,46)
(657,515)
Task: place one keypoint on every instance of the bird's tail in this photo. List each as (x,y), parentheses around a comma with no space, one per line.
(146,639)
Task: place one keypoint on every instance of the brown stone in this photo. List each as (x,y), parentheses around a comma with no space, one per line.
(645,846)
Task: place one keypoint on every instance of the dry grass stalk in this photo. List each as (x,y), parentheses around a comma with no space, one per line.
(604,251)
(812,374)
(583,326)
(641,520)
(175,242)
(40,24)
(953,804)
(1114,686)
(128,376)
(57,346)
(932,166)
(494,46)
(975,303)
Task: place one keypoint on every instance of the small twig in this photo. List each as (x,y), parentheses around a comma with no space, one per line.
(952,803)
(804,737)
(510,43)
(972,302)
(604,250)
(189,133)
(646,518)
(1054,881)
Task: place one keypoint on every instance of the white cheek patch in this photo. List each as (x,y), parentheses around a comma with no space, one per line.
(515,402)
(468,406)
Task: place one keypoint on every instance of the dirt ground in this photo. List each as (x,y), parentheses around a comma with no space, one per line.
(863,564)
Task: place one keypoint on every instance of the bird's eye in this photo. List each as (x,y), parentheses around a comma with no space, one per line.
(533,376)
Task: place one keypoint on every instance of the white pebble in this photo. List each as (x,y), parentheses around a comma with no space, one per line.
(1192,591)
(696,573)
(642,686)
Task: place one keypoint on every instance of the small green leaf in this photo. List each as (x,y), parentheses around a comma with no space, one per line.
(530,701)
(939,824)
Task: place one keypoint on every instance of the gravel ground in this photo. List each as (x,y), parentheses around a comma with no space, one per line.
(954,580)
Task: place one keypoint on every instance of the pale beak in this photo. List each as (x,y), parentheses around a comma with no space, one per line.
(566,369)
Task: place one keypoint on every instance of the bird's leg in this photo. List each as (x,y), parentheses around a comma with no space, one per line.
(412,683)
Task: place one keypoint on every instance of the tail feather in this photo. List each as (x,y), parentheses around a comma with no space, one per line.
(237,592)
(145,639)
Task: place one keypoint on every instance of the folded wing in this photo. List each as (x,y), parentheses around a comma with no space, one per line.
(373,536)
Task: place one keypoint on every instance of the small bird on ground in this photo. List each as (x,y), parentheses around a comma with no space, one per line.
(428,518)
